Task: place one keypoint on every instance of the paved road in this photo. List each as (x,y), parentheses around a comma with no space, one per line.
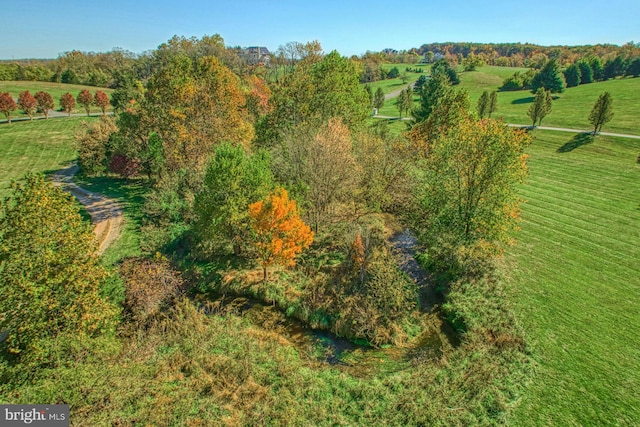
(396,92)
(619,135)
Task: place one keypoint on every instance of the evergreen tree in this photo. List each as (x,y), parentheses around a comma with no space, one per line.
(597,68)
(438,86)
(443,66)
(634,68)
(549,77)
(493,102)
(586,72)
(572,75)
(602,112)
(369,94)
(483,104)
(378,99)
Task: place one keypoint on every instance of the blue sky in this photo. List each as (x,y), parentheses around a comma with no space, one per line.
(45,28)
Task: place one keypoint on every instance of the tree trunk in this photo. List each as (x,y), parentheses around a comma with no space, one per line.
(264,274)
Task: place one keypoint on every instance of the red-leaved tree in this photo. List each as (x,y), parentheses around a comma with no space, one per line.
(85,99)
(7,105)
(279,234)
(44,102)
(27,103)
(101,100)
(68,103)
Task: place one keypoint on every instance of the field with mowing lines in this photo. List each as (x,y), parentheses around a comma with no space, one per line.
(39,146)
(575,275)
(55,89)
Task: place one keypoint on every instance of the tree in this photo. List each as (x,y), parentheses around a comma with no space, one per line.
(549,77)
(67,103)
(369,94)
(472,62)
(437,87)
(393,73)
(233,180)
(378,100)
(7,105)
(572,75)
(634,68)
(586,72)
(27,103)
(493,102)
(101,100)
(615,68)
(417,86)
(91,142)
(541,106)
(468,190)
(279,234)
(50,275)
(483,104)
(443,66)
(597,68)
(404,102)
(45,102)
(602,112)
(85,99)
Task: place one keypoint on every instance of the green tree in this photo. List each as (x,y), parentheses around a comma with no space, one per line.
(437,87)
(634,68)
(586,72)
(443,66)
(483,104)
(393,73)
(50,275)
(549,77)
(417,86)
(597,67)
(378,100)
(404,102)
(572,75)
(540,107)
(602,112)
(233,180)
(468,190)
(369,94)
(91,142)
(493,102)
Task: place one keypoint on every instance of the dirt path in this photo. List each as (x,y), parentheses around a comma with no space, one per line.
(106,213)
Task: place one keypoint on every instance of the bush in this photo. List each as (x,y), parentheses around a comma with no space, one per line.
(91,142)
(150,286)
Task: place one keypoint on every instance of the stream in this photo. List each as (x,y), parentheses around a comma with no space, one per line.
(326,347)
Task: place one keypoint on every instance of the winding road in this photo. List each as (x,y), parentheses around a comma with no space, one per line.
(106,214)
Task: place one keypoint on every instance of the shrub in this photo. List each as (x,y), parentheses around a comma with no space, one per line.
(150,286)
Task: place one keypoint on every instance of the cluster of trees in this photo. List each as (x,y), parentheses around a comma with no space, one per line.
(584,71)
(42,102)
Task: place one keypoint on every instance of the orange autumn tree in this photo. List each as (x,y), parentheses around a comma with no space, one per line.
(278,231)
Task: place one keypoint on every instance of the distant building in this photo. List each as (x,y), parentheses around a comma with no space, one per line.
(255,55)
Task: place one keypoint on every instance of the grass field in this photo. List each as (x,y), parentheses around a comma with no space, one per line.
(576,279)
(39,146)
(571,108)
(55,89)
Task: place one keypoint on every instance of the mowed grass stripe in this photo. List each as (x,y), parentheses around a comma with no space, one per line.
(576,280)
(38,146)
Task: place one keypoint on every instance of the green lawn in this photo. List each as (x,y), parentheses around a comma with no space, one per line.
(38,146)
(575,274)
(571,108)
(55,89)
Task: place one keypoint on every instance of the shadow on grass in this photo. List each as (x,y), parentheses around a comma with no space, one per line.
(527,100)
(576,142)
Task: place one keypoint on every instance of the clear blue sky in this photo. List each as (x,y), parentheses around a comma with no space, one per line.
(45,28)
